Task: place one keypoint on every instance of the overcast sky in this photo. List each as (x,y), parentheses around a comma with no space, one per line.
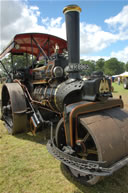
(103,24)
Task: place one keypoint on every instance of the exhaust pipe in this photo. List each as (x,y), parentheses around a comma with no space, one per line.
(73,38)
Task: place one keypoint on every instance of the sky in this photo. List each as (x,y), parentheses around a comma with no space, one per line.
(103,24)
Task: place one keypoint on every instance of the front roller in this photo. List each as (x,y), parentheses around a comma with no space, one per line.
(13,108)
(100,148)
(86,150)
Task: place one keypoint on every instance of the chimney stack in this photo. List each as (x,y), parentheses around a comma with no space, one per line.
(73,38)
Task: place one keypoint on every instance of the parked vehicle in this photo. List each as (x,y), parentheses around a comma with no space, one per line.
(125,82)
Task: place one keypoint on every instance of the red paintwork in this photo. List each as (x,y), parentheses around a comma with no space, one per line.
(24,41)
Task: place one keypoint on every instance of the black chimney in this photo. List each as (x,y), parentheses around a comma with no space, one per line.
(73,38)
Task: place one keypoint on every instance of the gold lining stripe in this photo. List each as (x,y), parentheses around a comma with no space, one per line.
(39,81)
(71,8)
(55,99)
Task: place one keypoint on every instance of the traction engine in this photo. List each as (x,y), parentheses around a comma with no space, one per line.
(91,128)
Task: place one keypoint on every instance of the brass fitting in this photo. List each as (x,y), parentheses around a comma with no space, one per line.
(71,8)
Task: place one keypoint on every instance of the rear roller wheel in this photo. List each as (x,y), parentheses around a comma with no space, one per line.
(13,108)
(87,150)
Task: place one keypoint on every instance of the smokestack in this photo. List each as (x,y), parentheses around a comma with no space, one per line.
(73,38)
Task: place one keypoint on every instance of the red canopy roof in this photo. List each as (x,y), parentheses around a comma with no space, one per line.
(31,43)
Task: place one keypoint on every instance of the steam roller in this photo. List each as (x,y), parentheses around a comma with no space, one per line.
(91,138)
(91,127)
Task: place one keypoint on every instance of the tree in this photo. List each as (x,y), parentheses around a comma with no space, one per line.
(7,62)
(113,67)
(126,67)
(91,67)
(19,61)
(100,65)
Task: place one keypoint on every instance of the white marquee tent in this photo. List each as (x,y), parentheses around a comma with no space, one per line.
(124,74)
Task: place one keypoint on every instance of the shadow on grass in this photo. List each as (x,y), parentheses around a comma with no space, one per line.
(41,137)
(115,183)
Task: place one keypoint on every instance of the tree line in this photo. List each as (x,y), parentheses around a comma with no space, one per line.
(109,67)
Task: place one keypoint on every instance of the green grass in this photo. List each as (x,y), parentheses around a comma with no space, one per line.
(27,167)
(119,89)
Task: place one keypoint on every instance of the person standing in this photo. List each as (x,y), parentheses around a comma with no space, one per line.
(118,80)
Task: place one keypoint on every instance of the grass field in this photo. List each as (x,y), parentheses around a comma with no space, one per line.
(27,167)
(119,90)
